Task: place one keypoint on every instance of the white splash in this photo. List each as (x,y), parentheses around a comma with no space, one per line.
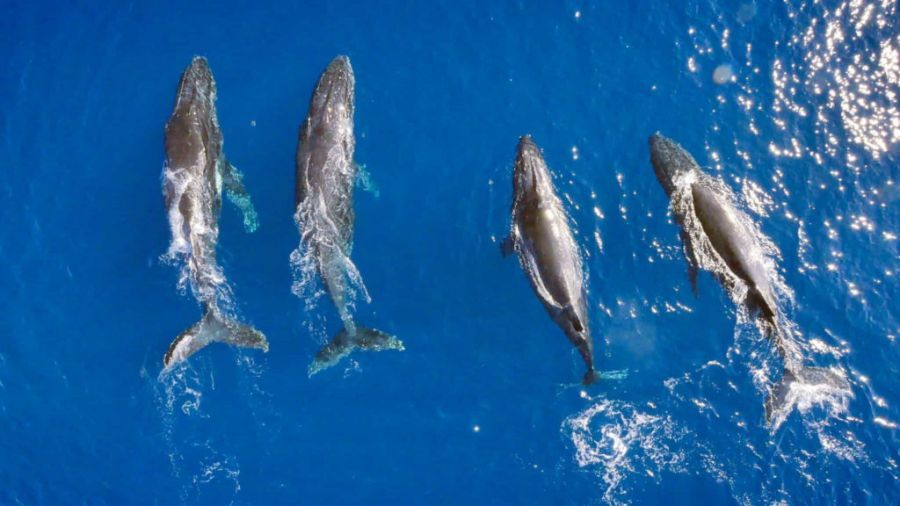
(620,441)
(193,244)
(707,258)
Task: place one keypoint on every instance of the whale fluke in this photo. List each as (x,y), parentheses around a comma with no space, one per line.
(344,343)
(194,177)
(779,399)
(542,239)
(326,176)
(213,327)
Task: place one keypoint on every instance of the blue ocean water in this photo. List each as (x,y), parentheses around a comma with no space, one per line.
(793,104)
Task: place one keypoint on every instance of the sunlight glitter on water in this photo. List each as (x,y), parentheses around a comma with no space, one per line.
(859,82)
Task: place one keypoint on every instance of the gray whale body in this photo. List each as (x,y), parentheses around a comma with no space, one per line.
(193,179)
(325,178)
(719,222)
(543,241)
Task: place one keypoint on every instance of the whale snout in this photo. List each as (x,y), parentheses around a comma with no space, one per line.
(196,88)
(659,143)
(337,82)
(339,72)
(200,63)
(333,96)
(199,72)
(340,65)
(531,173)
(528,171)
(527,147)
(667,159)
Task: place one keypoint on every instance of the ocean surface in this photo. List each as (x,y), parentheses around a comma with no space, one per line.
(793,105)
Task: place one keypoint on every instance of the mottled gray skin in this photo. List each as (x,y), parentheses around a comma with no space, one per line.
(194,145)
(543,241)
(193,180)
(325,180)
(326,174)
(728,236)
(327,143)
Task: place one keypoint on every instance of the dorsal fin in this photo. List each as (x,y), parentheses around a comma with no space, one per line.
(572,316)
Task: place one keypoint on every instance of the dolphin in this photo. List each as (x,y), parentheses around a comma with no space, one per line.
(721,226)
(542,239)
(326,175)
(193,178)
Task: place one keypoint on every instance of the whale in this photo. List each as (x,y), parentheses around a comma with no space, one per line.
(721,224)
(710,222)
(543,241)
(326,175)
(194,176)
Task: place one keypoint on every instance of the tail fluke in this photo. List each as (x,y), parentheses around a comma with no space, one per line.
(344,343)
(211,328)
(779,401)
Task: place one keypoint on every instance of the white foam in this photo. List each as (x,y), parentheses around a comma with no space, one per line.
(806,397)
(619,441)
(194,240)
(319,248)
(708,259)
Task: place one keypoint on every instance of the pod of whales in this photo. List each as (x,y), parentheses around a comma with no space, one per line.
(326,177)
(548,253)
(710,223)
(193,180)
(714,232)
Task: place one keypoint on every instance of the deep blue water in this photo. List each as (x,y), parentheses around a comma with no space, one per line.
(483,406)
